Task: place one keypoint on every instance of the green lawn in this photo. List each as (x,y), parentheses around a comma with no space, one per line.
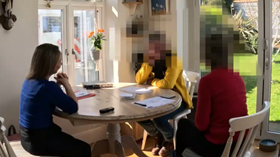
(247,70)
(246,65)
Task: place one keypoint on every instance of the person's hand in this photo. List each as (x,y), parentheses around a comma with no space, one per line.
(62,79)
(62,75)
(149,81)
(56,78)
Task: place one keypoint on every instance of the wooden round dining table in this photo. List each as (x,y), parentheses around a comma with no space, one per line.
(124,111)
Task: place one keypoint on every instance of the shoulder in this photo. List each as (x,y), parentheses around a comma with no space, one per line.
(205,79)
(36,86)
(33,84)
(51,86)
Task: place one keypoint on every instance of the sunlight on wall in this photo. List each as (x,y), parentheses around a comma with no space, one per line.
(112,43)
(115,11)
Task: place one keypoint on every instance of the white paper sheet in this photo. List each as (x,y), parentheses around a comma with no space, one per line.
(154,102)
(81,93)
(126,95)
(136,90)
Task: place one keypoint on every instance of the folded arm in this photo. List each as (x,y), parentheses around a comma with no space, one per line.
(57,97)
(143,74)
(169,81)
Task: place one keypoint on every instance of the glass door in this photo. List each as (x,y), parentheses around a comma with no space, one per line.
(271,125)
(51,29)
(84,67)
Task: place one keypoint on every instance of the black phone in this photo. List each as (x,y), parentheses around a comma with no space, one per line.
(106,110)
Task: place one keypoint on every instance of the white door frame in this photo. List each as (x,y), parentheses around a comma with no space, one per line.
(267,65)
(63,31)
(71,8)
(68,17)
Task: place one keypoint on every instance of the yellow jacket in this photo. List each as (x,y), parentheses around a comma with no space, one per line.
(173,77)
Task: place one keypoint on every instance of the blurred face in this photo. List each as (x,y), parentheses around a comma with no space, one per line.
(58,64)
(155,48)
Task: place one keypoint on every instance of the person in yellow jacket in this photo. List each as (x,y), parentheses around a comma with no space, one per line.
(163,71)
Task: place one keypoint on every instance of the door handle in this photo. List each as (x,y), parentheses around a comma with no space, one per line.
(267,54)
(66,54)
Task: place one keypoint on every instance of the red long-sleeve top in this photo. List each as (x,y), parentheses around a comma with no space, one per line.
(221,96)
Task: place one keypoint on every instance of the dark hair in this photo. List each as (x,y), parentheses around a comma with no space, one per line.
(43,61)
(220,39)
(218,48)
(217,51)
(157,37)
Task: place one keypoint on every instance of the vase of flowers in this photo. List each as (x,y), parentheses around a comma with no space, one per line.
(96,43)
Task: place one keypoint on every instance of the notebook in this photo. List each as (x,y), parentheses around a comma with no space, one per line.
(83,94)
(154,102)
(128,96)
(136,90)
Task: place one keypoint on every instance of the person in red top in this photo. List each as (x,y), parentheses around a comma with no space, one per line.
(221,96)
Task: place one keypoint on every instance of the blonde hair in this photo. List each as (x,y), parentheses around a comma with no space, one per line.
(43,61)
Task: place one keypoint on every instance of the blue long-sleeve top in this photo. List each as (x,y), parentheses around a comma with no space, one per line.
(38,100)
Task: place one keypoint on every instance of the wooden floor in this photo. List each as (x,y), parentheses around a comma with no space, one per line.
(147,151)
(150,143)
(255,151)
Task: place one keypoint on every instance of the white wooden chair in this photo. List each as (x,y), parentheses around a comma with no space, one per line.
(191,79)
(5,148)
(241,124)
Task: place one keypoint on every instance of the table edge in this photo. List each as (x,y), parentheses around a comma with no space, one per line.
(115,119)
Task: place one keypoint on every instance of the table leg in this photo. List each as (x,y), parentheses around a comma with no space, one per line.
(128,142)
(99,148)
(114,134)
(115,143)
(119,151)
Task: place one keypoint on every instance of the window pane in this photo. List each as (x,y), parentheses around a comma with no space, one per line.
(50,28)
(85,66)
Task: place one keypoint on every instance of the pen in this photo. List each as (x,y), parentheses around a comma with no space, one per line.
(140,104)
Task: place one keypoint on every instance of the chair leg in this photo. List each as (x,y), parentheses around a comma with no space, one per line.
(175,126)
(145,135)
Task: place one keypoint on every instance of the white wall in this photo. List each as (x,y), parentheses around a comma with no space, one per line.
(194,35)
(110,26)
(119,67)
(188,34)
(16,49)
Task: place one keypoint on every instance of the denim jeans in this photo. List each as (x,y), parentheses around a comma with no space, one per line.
(161,124)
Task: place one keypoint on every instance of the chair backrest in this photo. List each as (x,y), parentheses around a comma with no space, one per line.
(5,148)
(241,125)
(191,79)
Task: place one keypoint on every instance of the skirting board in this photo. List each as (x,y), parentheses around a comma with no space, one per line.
(93,135)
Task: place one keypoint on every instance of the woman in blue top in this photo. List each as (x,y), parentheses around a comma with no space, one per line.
(38,100)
